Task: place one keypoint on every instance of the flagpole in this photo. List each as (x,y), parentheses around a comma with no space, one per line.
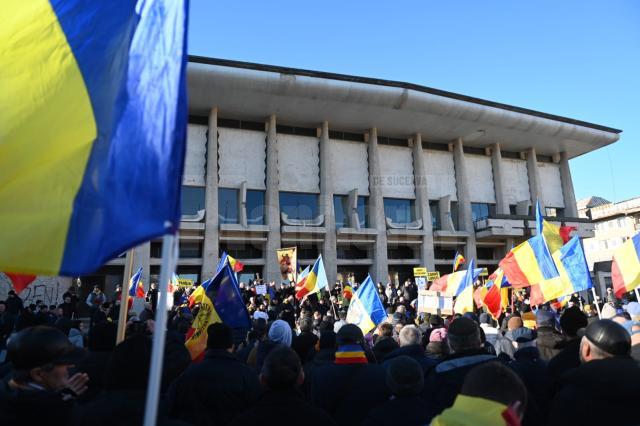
(637,294)
(595,302)
(155,371)
(124,299)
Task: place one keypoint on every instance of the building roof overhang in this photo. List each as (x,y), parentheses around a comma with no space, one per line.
(305,98)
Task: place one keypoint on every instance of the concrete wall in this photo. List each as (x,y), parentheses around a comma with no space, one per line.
(551,184)
(298,163)
(481,189)
(194,162)
(396,164)
(516,181)
(242,157)
(440,174)
(47,289)
(349,167)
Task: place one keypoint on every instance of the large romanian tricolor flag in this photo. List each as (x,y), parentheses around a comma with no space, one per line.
(236,265)
(573,272)
(464,293)
(366,309)
(315,281)
(93,114)
(625,268)
(496,294)
(221,302)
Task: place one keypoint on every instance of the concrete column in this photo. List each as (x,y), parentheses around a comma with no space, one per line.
(535,188)
(329,252)
(211,228)
(380,267)
(570,206)
(422,203)
(502,206)
(141,258)
(272,205)
(465,219)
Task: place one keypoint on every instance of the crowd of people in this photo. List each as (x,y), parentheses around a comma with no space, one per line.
(302,363)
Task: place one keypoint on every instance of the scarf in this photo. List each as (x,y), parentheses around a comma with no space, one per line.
(350,354)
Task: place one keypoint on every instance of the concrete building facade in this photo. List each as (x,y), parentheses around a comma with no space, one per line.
(377,176)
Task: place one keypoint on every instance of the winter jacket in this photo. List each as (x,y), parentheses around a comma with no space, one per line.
(444,381)
(413,351)
(304,344)
(213,391)
(504,346)
(600,392)
(76,337)
(383,347)
(32,407)
(533,371)
(567,359)
(549,341)
(405,411)
(282,408)
(348,392)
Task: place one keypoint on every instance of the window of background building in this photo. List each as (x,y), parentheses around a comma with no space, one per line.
(485,252)
(190,249)
(341,210)
(241,251)
(434,206)
(192,199)
(620,222)
(444,252)
(513,209)
(482,211)
(298,205)
(255,207)
(399,210)
(352,252)
(401,252)
(454,214)
(554,212)
(228,205)
(308,252)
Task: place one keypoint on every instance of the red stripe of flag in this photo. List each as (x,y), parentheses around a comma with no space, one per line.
(512,271)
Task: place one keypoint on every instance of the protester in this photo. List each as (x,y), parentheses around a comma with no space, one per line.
(445,380)
(549,339)
(279,334)
(504,344)
(411,345)
(217,389)
(351,387)
(304,343)
(491,395)
(384,343)
(604,389)
(571,320)
(490,332)
(438,346)
(39,385)
(282,403)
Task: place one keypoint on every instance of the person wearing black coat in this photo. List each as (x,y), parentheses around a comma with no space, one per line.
(572,320)
(444,381)
(282,404)
(405,381)
(385,343)
(217,389)
(605,388)
(304,343)
(325,355)
(410,345)
(351,387)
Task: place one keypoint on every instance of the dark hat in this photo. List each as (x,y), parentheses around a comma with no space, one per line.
(404,376)
(609,336)
(37,346)
(463,327)
(473,317)
(349,333)
(545,318)
(327,340)
(524,335)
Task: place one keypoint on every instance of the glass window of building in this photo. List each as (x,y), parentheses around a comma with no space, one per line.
(434,206)
(255,207)
(363,211)
(190,249)
(481,211)
(228,205)
(399,210)
(298,205)
(192,199)
(341,211)
(454,214)
(513,209)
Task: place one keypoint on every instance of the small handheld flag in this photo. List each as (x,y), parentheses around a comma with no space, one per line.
(457,261)
(464,300)
(366,310)
(315,281)
(136,287)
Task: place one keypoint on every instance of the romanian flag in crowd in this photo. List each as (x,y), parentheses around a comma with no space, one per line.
(236,266)
(302,281)
(87,86)
(625,267)
(366,309)
(20,281)
(464,293)
(347,292)
(457,261)
(573,272)
(315,281)
(136,287)
(450,283)
(496,295)
(531,263)
(196,296)
(221,302)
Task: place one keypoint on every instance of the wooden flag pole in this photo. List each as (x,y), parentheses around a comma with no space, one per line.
(637,294)
(124,298)
(157,354)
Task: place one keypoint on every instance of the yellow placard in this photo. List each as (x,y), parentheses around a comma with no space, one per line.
(420,272)
(484,273)
(432,276)
(183,282)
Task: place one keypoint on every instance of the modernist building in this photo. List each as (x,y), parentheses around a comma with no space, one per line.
(377,176)
(614,223)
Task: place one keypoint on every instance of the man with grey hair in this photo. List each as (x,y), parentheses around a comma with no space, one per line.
(410,340)
(445,380)
(608,378)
